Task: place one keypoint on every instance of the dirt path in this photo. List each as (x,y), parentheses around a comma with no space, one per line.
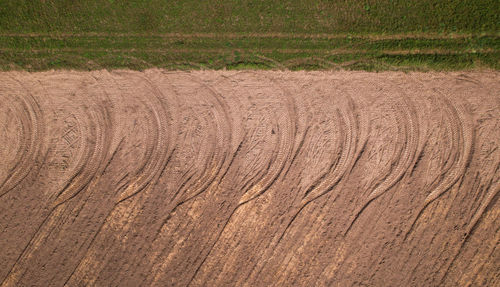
(249,178)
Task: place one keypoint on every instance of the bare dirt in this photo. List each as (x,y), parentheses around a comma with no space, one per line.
(249,178)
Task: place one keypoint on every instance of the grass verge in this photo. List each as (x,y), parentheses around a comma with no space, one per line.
(248,34)
(391,52)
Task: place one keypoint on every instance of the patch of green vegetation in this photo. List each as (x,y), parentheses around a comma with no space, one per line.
(139,60)
(250,34)
(291,16)
(247,43)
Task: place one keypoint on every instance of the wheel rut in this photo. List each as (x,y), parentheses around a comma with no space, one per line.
(249,178)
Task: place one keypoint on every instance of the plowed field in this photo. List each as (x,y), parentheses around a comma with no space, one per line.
(223,178)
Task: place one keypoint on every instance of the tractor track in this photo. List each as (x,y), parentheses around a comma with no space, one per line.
(249,178)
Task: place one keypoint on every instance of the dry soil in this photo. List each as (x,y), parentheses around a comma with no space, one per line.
(249,178)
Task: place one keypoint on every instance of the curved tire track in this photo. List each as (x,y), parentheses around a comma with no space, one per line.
(408,126)
(29,153)
(462,134)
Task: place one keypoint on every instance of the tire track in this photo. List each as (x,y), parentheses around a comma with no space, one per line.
(216,151)
(405,154)
(23,141)
(470,228)
(201,154)
(336,168)
(251,144)
(87,171)
(252,186)
(485,204)
(66,167)
(179,175)
(95,155)
(10,150)
(30,152)
(248,178)
(462,136)
(159,146)
(284,148)
(228,125)
(97,149)
(33,153)
(351,132)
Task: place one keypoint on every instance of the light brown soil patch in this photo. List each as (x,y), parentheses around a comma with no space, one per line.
(249,178)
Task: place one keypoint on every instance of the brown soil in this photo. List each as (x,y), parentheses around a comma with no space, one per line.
(249,178)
